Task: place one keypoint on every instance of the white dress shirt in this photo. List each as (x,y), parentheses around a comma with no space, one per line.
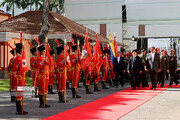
(152,56)
(118,59)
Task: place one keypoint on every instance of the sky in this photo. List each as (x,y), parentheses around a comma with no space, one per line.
(130,2)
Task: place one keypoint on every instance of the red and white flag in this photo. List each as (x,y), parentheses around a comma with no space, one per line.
(24,62)
(86,54)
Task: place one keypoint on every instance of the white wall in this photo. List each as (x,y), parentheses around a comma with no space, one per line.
(92,13)
(160,17)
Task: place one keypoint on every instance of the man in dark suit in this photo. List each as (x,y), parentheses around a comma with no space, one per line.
(135,68)
(119,69)
(153,66)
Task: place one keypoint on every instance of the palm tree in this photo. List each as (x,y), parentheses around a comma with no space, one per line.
(10,5)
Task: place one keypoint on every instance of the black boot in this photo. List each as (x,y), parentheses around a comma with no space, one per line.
(45,102)
(74,92)
(88,90)
(41,101)
(79,85)
(13,99)
(111,83)
(61,97)
(19,108)
(104,85)
(57,87)
(67,85)
(36,93)
(52,90)
(96,88)
(49,89)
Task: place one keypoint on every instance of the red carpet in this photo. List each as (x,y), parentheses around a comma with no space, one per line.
(111,107)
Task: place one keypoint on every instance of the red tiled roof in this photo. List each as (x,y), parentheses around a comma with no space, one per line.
(30,23)
(4,13)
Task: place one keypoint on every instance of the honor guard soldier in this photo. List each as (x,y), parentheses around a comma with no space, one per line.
(19,79)
(51,72)
(111,74)
(11,76)
(43,66)
(105,69)
(75,65)
(60,66)
(173,68)
(69,72)
(33,69)
(164,66)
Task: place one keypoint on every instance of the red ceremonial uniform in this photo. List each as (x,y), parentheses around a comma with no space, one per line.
(11,75)
(105,69)
(69,77)
(60,64)
(34,72)
(18,76)
(43,75)
(51,72)
(75,70)
(87,72)
(96,71)
(111,73)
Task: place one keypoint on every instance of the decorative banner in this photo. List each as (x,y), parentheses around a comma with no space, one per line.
(24,62)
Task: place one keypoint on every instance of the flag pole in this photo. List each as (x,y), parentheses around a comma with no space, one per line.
(65,57)
(46,40)
(23,79)
(77,58)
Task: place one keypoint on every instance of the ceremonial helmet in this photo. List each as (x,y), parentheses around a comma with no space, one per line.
(18,46)
(74,47)
(33,50)
(51,52)
(12,52)
(41,48)
(60,49)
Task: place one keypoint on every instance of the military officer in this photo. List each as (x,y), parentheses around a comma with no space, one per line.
(51,72)
(75,64)
(164,66)
(19,77)
(34,72)
(11,76)
(173,68)
(43,66)
(60,66)
(105,69)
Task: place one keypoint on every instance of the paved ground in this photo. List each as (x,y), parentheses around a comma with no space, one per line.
(165,106)
(8,109)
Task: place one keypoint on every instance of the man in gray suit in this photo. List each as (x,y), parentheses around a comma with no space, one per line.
(153,66)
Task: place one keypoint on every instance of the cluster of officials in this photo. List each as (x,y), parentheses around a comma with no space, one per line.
(135,67)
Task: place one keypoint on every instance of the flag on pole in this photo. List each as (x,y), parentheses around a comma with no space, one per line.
(20,37)
(57,42)
(97,55)
(48,57)
(111,48)
(86,53)
(103,47)
(115,47)
(24,61)
(72,40)
(30,44)
(37,41)
(67,58)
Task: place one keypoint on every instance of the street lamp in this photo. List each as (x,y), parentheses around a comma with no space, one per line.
(133,38)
